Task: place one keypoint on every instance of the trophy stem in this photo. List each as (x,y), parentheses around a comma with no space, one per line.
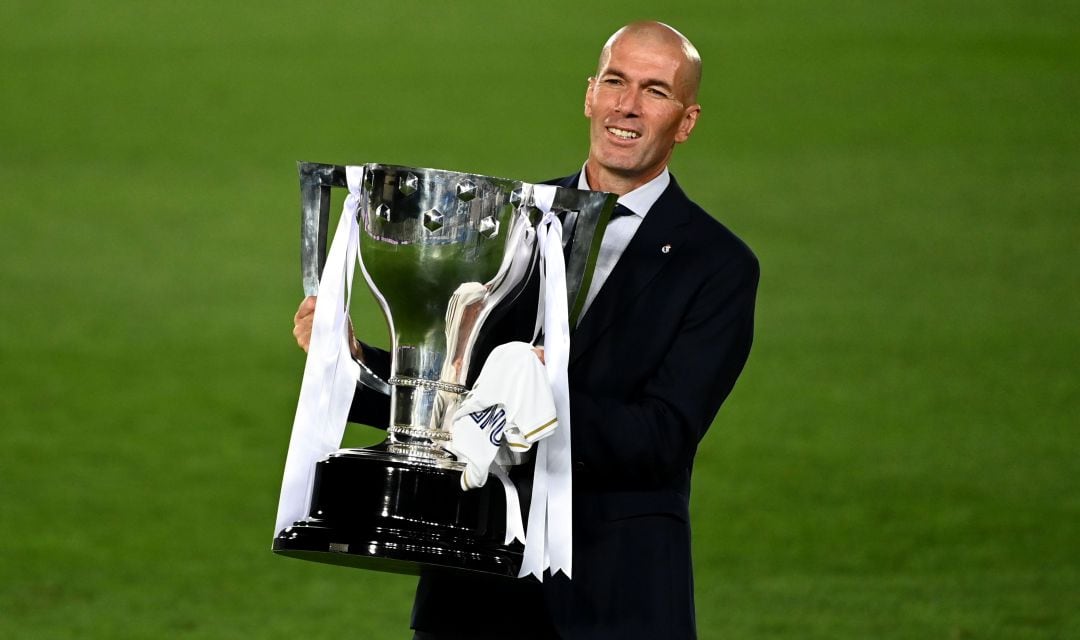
(420,412)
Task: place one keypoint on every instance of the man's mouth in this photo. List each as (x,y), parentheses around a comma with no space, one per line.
(623,133)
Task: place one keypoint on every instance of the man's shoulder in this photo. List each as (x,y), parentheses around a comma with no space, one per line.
(705,230)
(570,181)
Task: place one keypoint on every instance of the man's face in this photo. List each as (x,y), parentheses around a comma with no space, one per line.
(638,108)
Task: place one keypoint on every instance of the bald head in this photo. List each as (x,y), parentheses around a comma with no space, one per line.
(641,103)
(661,35)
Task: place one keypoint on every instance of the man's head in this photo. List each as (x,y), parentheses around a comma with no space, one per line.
(641,103)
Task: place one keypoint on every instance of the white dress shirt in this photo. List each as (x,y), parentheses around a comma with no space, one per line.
(620,230)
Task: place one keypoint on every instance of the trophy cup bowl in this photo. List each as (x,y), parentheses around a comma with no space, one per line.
(447,255)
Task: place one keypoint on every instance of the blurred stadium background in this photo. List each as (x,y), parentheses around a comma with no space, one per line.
(898,461)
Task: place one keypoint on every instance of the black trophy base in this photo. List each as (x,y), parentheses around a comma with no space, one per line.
(374,510)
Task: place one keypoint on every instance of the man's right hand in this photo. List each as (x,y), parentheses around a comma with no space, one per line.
(302,321)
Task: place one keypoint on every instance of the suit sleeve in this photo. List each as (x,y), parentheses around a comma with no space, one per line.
(371,407)
(648,436)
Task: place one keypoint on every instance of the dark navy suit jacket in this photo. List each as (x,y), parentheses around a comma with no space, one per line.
(651,362)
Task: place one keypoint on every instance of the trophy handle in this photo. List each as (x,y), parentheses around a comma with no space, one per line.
(585,215)
(316,180)
(315,183)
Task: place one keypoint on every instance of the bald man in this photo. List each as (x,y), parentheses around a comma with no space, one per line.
(666,331)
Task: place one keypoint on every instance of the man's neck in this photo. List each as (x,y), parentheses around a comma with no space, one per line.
(600,180)
(642,198)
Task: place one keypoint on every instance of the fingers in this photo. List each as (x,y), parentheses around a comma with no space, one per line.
(307,308)
(302,323)
(539,351)
(354,344)
(305,315)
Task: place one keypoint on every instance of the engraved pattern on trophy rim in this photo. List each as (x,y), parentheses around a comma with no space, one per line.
(383,211)
(419,451)
(418,432)
(438,385)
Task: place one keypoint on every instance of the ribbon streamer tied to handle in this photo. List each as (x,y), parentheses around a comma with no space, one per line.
(549,535)
(330,373)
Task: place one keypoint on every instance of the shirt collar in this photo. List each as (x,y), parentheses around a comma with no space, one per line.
(639,200)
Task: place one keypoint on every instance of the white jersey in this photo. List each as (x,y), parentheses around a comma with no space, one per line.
(508,409)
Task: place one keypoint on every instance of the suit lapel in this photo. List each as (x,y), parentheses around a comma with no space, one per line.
(638,266)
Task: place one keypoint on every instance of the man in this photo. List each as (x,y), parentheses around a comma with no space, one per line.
(666,332)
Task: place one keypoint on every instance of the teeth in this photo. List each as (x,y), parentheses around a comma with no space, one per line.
(624,134)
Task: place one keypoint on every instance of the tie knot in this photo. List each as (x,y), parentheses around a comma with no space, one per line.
(620,210)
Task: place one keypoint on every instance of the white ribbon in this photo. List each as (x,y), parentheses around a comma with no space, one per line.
(550,534)
(330,373)
(515,530)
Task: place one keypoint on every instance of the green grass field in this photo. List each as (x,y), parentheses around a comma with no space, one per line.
(899,459)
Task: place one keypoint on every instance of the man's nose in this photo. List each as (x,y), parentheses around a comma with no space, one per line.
(629,102)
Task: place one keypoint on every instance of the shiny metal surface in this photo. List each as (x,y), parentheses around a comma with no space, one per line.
(430,248)
(316,181)
(441,251)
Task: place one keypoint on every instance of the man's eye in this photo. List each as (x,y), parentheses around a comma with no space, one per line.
(657,93)
(612,82)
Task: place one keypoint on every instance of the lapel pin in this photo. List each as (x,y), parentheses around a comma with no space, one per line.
(665,249)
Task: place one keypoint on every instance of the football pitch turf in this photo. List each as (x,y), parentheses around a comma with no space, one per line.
(899,459)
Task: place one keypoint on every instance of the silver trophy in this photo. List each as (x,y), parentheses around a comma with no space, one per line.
(448,256)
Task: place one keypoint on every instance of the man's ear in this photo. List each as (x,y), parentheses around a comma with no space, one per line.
(689,120)
(588,101)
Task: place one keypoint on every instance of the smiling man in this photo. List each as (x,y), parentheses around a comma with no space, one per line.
(641,103)
(665,333)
